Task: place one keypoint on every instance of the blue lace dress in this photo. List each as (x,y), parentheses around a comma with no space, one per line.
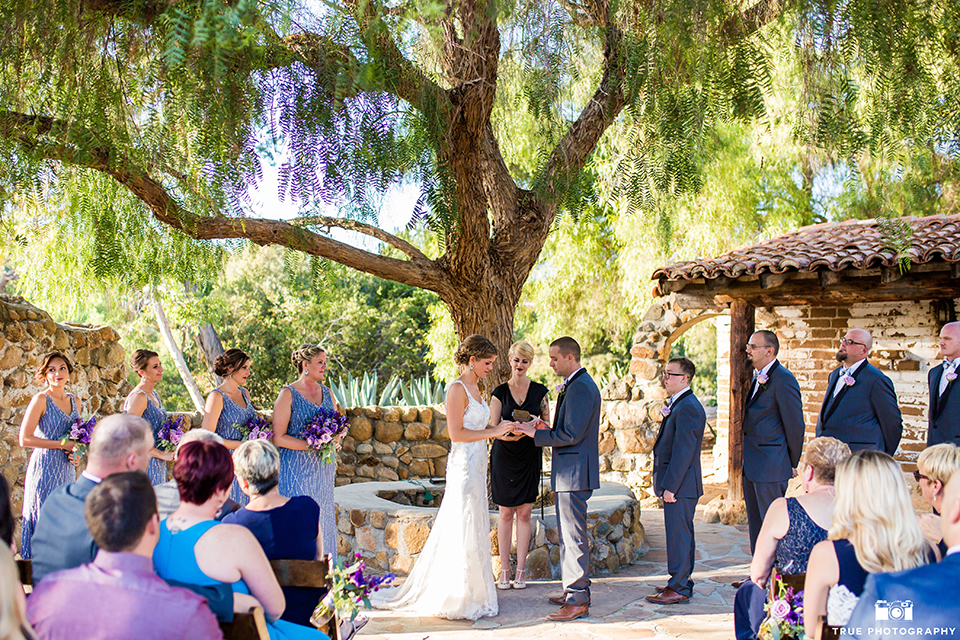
(303,474)
(47,469)
(174,558)
(803,534)
(232,415)
(156,415)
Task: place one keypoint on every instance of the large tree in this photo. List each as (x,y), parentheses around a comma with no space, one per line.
(171,106)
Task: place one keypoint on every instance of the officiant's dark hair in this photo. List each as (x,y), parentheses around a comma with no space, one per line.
(567,347)
(687,367)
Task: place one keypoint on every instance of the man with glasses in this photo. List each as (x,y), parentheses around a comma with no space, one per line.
(944,418)
(860,406)
(772,430)
(677,477)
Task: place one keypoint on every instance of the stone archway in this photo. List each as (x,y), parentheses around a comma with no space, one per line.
(632,405)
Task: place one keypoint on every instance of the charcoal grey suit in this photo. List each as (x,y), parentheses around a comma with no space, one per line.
(575,438)
(676,468)
(943,424)
(772,442)
(864,415)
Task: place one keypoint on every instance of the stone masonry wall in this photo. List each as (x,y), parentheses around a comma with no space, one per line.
(98,380)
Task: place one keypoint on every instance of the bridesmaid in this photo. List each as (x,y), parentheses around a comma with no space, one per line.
(229,405)
(301,471)
(143,401)
(49,417)
(515,461)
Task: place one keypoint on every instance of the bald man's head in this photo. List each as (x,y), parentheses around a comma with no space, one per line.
(950,341)
(854,346)
(950,511)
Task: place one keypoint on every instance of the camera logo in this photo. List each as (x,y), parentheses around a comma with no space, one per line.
(894,610)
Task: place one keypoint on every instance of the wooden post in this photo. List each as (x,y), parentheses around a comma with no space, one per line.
(741,328)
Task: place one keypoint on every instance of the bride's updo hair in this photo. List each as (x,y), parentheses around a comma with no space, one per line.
(475,346)
(229,362)
(305,353)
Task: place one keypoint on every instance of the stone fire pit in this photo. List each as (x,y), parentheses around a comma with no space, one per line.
(390,536)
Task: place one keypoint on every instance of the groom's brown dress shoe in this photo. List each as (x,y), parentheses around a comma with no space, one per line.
(570,612)
(562,600)
(667,596)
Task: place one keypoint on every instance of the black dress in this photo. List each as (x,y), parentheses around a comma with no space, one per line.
(515,466)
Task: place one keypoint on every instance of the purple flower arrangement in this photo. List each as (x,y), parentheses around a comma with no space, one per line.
(168,437)
(256,429)
(784,613)
(351,588)
(80,434)
(322,430)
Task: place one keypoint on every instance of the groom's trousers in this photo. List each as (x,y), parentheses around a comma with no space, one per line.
(571,508)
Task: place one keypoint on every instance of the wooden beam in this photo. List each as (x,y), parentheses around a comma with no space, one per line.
(717,284)
(685,301)
(890,274)
(955,269)
(773,280)
(672,286)
(828,278)
(742,325)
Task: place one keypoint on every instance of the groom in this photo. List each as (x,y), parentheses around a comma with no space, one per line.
(576,472)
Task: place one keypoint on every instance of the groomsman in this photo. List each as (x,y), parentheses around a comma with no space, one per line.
(860,407)
(677,477)
(944,422)
(772,430)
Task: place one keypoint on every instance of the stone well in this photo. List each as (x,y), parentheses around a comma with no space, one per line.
(390,536)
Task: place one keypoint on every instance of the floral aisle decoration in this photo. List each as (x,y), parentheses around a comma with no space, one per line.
(351,588)
(784,613)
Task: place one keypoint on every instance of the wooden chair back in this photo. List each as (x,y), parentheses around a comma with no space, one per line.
(308,573)
(829,633)
(25,568)
(246,626)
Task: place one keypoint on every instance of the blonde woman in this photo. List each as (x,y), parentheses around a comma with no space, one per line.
(874,531)
(302,473)
(13,604)
(935,466)
(515,460)
(144,401)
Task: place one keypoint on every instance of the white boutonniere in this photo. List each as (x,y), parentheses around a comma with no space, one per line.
(665,411)
(848,380)
(762,380)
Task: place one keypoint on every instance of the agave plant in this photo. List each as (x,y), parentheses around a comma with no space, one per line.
(423,391)
(616,372)
(362,392)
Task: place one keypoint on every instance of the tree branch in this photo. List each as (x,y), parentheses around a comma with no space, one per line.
(361,227)
(27,130)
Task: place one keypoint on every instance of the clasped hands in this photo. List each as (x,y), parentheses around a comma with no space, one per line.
(513,431)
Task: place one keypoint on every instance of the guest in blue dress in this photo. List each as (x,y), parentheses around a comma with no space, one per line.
(196,549)
(143,401)
(287,528)
(48,418)
(228,406)
(301,471)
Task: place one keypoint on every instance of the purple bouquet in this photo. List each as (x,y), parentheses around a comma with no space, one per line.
(351,588)
(80,434)
(168,437)
(784,613)
(256,429)
(321,431)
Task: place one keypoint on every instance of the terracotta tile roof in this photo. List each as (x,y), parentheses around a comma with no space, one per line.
(834,246)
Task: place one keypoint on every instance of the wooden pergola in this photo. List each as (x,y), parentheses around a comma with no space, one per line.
(829,264)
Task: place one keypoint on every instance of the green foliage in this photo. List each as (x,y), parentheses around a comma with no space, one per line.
(357,392)
(699,344)
(423,391)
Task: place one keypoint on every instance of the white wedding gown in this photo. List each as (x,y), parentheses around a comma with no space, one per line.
(453,576)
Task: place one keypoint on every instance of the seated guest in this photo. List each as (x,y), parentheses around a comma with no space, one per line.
(285,527)
(935,466)
(874,531)
(118,595)
(168,495)
(197,549)
(13,605)
(929,591)
(61,540)
(790,530)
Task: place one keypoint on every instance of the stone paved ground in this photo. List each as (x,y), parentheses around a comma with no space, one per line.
(619,609)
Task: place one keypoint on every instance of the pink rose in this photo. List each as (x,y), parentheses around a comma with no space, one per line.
(848,380)
(762,379)
(951,376)
(779,609)
(665,411)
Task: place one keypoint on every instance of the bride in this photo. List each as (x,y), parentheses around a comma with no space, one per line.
(453,577)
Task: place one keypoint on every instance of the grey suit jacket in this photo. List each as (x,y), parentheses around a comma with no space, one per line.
(943,424)
(61,539)
(676,453)
(575,436)
(865,415)
(773,428)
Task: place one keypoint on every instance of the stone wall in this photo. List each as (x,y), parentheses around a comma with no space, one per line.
(98,380)
(394,443)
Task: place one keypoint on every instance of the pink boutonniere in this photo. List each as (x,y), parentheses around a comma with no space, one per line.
(951,376)
(562,388)
(848,380)
(762,380)
(665,411)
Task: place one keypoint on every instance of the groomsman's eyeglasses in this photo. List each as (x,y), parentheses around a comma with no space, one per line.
(847,342)
(752,347)
(667,374)
(917,475)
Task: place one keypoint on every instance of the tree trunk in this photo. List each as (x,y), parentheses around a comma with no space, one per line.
(176,354)
(210,346)
(490,316)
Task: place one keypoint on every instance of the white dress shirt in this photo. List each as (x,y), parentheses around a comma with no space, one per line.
(850,370)
(756,374)
(947,368)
